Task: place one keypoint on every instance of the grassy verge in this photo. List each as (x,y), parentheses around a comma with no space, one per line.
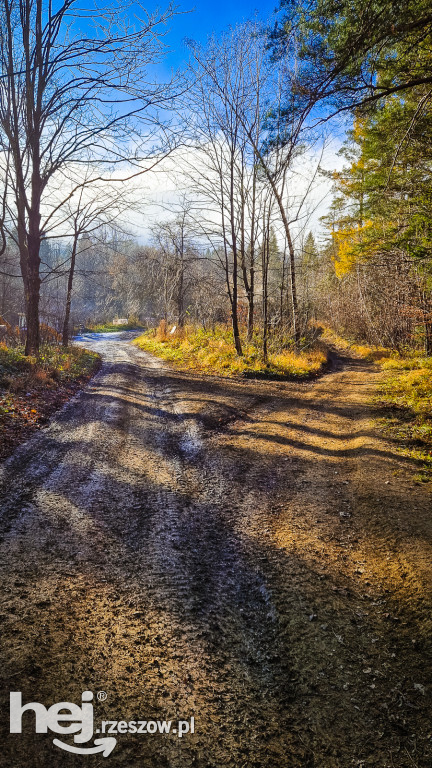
(32,388)
(405,395)
(213,352)
(109,328)
(373,354)
(52,365)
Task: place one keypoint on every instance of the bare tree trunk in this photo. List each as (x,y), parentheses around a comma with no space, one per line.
(180,299)
(65,339)
(426,308)
(166,297)
(265,263)
(234,309)
(234,301)
(282,290)
(286,225)
(33,286)
(33,131)
(32,305)
(232,295)
(251,307)
(249,288)
(251,295)
(293,285)
(248,279)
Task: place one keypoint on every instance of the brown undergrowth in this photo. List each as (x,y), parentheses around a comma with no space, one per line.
(32,388)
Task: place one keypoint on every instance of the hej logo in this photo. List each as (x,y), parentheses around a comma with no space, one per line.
(62,718)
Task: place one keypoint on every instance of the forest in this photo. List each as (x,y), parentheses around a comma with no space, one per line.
(262,234)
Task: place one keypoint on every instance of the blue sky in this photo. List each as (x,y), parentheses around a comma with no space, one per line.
(160,190)
(206,18)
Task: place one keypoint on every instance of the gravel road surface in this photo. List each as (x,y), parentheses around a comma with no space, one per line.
(253,555)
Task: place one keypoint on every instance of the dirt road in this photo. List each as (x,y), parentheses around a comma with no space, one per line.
(250,554)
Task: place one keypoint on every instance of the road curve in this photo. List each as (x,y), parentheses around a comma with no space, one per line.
(201,548)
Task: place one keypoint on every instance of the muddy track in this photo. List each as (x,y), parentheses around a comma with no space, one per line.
(254,555)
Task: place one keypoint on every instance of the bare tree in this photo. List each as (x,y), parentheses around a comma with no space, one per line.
(229,78)
(250,147)
(88,211)
(72,93)
(174,240)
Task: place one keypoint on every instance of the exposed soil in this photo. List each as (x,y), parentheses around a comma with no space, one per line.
(252,554)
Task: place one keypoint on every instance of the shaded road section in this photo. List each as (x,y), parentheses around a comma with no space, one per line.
(254,555)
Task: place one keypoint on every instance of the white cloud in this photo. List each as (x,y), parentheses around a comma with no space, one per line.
(161,191)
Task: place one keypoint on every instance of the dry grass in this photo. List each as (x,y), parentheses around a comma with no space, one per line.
(406,394)
(32,388)
(54,364)
(213,352)
(374,354)
(110,328)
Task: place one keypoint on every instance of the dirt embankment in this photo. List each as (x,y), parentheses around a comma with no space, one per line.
(254,555)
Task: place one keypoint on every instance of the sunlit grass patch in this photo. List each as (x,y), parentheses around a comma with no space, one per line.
(213,351)
(110,328)
(371,353)
(67,363)
(412,361)
(12,363)
(405,393)
(53,364)
(409,395)
(32,388)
